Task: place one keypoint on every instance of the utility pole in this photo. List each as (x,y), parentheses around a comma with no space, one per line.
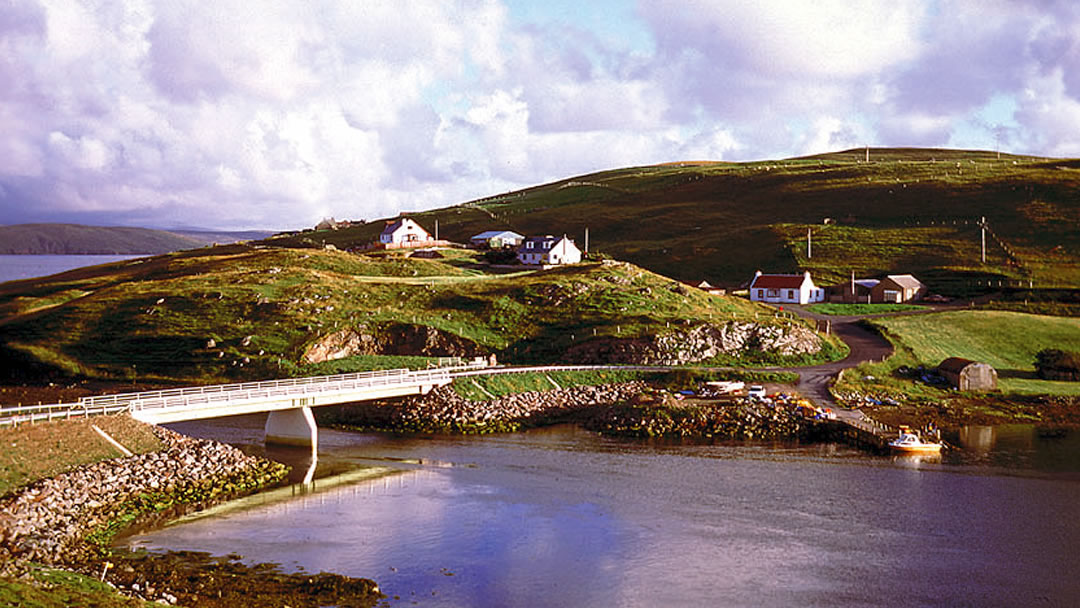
(586,239)
(436,230)
(809,251)
(982,226)
(867,153)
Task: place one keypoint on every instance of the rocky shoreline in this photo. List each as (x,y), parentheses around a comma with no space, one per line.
(444,411)
(67,521)
(626,409)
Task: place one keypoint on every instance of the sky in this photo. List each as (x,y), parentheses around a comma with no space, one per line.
(237,114)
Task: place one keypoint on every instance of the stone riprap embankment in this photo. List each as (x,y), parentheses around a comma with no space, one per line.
(743,419)
(50,520)
(443,410)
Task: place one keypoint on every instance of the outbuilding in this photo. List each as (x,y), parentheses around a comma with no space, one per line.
(968,375)
(897,289)
(496,239)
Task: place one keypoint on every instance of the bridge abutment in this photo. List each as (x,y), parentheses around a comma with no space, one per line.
(293,427)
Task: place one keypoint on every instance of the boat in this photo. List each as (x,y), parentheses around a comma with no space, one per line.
(910,442)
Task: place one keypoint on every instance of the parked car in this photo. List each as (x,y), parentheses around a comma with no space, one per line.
(756,391)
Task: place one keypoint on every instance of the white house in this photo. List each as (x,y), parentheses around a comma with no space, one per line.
(403,230)
(785,289)
(548,251)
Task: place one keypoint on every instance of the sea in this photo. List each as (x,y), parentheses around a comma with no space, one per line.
(561,516)
(17,267)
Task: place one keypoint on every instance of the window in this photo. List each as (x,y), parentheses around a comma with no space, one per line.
(774,293)
(529,245)
(761,293)
(791,294)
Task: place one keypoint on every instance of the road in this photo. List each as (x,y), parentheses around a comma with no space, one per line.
(865,345)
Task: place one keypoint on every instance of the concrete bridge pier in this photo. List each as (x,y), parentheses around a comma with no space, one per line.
(292,427)
(295,427)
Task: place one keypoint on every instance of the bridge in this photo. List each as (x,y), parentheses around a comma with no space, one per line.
(288,401)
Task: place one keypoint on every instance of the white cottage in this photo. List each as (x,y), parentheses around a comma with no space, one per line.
(785,289)
(548,251)
(403,230)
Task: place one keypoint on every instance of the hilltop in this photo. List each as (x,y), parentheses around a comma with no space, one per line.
(244,311)
(78,239)
(906,210)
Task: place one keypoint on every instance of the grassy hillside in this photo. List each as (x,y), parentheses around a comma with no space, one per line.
(75,239)
(1006,340)
(240,311)
(907,210)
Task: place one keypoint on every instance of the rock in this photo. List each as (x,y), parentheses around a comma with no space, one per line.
(51,517)
(392,339)
(697,344)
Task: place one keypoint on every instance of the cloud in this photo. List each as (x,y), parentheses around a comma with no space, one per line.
(231,114)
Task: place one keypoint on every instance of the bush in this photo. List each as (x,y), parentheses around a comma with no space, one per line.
(1055,364)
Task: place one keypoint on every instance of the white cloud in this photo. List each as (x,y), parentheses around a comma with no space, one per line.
(276,114)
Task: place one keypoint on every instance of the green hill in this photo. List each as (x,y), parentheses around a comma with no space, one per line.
(76,239)
(243,312)
(907,210)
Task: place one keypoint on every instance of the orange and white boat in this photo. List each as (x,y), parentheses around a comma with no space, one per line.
(910,442)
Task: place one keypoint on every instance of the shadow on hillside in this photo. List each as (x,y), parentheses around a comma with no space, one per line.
(1017,373)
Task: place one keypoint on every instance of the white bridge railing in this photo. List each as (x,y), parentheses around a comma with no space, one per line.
(222,394)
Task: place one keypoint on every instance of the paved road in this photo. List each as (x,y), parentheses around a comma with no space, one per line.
(865,345)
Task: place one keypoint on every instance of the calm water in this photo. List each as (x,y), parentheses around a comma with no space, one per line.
(562,517)
(15,267)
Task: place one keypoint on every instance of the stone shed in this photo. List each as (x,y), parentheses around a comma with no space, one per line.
(968,375)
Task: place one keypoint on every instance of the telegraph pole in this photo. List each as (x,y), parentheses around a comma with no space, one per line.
(809,251)
(982,226)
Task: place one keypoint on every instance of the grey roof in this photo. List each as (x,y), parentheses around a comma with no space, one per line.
(502,234)
(390,227)
(906,281)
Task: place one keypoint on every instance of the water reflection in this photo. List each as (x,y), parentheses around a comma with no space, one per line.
(563,517)
(916,460)
(1020,448)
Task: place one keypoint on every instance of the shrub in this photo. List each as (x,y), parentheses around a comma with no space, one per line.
(1055,364)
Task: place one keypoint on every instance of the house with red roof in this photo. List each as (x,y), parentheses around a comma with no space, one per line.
(785,289)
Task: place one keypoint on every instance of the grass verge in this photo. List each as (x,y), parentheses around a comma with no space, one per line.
(35,451)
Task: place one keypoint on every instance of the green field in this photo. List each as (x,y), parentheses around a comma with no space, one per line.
(1006,340)
(830,308)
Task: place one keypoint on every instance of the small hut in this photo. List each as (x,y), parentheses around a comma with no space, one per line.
(968,375)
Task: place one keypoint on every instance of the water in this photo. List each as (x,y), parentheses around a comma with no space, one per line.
(562,517)
(15,267)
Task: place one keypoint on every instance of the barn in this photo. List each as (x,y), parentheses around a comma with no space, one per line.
(968,375)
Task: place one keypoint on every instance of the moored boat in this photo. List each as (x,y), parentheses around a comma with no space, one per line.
(910,442)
